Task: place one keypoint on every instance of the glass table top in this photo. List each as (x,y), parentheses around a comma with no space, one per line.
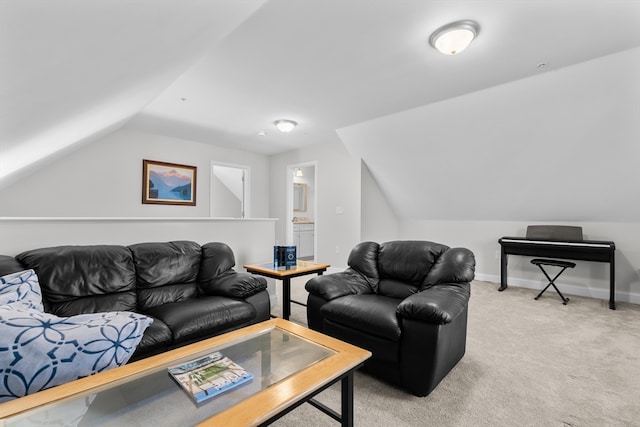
(154,398)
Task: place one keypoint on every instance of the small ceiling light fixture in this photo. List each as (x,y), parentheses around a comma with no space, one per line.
(453,38)
(298,172)
(285,126)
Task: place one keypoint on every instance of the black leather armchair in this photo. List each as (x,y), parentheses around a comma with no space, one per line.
(406,302)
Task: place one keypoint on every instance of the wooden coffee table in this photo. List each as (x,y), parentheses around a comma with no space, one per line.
(286,274)
(290,363)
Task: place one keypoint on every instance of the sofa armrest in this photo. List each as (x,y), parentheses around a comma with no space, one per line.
(335,285)
(9,265)
(439,304)
(234,284)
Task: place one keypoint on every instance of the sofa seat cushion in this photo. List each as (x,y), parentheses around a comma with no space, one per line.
(156,338)
(202,317)
(40,350)
(373,314)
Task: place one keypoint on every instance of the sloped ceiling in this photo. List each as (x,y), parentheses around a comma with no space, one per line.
(563,146)
(73,70)
(357,71)
(334,63)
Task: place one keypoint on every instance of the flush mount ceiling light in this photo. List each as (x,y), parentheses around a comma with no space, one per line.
(455,37)
(285,126)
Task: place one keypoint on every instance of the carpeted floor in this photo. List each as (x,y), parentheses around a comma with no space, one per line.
(528,363)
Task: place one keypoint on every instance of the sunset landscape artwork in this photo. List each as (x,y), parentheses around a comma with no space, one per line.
(168,183)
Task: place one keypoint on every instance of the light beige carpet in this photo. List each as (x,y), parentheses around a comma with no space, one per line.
(528,363)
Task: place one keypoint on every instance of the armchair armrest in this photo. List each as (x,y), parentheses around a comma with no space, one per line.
(335,285)
(234,284)
(439,304)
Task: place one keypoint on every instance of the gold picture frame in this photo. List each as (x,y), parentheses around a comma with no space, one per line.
(168,183)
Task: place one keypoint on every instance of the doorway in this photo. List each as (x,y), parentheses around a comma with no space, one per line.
(301,218)
(229,196)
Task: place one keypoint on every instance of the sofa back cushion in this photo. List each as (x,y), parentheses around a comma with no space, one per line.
(217,258)
(9,264)
(403,265)
(167,272)
(83,279)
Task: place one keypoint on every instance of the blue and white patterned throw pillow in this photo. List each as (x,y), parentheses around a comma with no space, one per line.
(22,290)
(39,350)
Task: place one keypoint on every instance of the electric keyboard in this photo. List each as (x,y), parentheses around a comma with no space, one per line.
(582,250)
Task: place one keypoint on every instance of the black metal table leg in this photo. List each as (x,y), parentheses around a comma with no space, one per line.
(347,400)
(286,296)
(346,419)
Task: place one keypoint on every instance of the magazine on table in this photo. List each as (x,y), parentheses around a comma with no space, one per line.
(209,376)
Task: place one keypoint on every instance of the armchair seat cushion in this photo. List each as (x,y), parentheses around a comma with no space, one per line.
(369,313)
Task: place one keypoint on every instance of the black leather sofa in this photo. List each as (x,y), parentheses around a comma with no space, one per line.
(190,291)
(406,302)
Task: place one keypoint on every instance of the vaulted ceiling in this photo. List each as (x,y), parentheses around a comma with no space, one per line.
(359,71)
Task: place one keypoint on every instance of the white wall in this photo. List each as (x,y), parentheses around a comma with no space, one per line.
(379,222)
(20,234)
(587,278)
(226,205)
(337,186)
(563,145)
(101,183)
(104,179)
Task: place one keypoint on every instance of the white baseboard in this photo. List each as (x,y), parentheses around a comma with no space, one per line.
(603,294)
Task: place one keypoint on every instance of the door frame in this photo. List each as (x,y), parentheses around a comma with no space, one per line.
(289,202)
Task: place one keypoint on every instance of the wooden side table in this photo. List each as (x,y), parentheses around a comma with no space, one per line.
(286,274)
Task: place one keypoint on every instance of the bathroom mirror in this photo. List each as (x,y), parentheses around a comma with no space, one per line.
(299,197)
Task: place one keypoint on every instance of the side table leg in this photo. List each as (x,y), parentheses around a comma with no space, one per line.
(347,400)
(286,296)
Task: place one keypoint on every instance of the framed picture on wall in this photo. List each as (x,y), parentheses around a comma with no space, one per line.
(168,183)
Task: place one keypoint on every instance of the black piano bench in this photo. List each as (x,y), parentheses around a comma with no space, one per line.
(562,264)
